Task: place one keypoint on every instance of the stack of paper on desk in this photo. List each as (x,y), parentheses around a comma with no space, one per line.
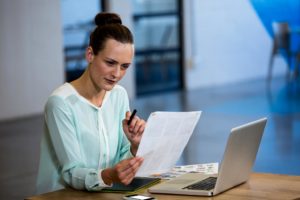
(204,168)
(165,136)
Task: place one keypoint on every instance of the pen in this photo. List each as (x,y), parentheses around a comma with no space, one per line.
(131,117)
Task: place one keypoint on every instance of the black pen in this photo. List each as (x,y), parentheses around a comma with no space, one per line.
(131,117)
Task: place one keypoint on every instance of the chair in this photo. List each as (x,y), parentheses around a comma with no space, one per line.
(281,45)
(297,65)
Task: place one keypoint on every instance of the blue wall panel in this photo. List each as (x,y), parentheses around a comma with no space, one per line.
(280,10)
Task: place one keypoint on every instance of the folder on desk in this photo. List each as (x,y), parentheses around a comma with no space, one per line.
(136,184)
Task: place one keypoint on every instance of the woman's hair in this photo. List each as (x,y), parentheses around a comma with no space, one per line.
(109,26)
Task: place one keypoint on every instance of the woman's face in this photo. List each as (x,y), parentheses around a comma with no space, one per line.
(110,65)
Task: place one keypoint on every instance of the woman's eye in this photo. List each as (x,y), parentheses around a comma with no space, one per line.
(125,66)
(110,63)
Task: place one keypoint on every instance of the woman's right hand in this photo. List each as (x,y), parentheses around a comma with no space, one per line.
(123,172)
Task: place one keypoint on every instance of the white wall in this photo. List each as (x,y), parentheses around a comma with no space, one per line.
(124,9)
(31,58)
(225,42)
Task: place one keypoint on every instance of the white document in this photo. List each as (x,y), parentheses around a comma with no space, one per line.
(205,168)
(165,136)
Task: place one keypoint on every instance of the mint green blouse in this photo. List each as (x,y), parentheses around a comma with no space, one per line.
(81,139)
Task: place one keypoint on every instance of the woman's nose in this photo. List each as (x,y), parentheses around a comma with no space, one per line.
(117,72)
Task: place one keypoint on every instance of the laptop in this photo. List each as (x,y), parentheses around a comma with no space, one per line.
(238,159)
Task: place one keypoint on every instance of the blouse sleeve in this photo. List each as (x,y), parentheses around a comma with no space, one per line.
(62,131)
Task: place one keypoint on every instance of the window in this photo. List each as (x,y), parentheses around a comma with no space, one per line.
(78,22)
(158,45)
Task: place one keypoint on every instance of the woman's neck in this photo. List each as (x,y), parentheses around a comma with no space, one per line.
(86,88)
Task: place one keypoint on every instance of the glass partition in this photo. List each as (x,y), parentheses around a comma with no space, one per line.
(158,47)
(78,22)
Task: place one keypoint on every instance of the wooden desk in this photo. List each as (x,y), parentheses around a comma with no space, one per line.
(260,186)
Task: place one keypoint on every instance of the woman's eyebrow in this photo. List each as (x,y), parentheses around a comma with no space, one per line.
(111,60)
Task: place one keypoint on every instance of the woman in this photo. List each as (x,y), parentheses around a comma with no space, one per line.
(84,145)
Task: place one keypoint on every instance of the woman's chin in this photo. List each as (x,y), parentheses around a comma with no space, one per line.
(109,87)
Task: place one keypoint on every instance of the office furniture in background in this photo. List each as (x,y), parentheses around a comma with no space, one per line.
(296,31)
(281,45)
(297,65)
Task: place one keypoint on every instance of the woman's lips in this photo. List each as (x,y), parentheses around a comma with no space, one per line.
(110,81)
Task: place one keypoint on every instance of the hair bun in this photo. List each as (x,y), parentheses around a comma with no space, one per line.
(102,19)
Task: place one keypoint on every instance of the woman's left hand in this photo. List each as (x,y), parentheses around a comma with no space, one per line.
(134,130)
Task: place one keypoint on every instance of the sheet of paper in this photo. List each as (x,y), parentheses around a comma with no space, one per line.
(205,168)
(165,136)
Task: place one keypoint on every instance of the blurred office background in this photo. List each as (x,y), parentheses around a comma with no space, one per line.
(236,60)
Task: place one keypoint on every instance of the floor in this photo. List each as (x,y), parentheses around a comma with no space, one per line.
(223,108)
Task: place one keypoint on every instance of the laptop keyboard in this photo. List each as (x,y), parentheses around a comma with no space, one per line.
(206,184)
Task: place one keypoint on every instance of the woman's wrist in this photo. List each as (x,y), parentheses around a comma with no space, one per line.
(106,176)
(133,149)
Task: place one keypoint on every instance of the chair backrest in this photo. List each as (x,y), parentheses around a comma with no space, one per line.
(281,32)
